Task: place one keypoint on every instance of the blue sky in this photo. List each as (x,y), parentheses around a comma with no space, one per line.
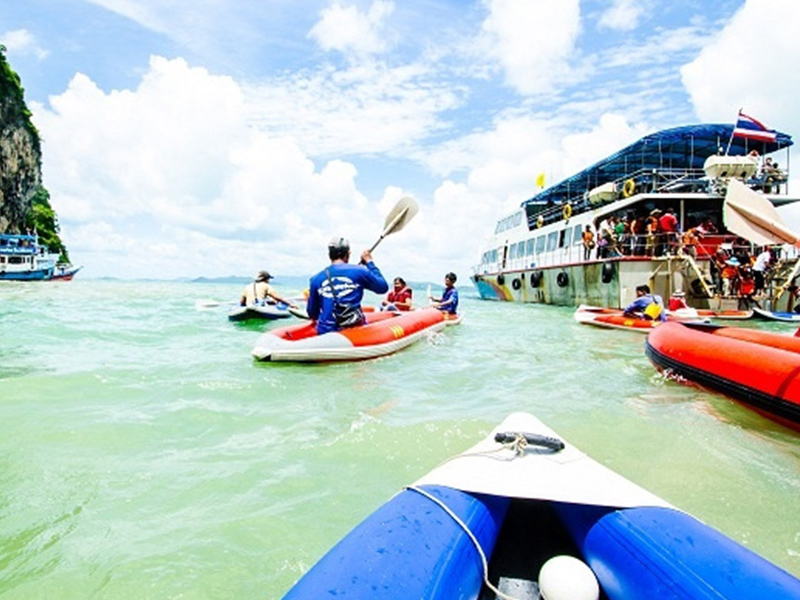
(214,137)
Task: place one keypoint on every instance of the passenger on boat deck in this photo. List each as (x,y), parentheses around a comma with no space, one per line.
(342,284)
(449,301)
(670,228)
(706,227)
(678,300)
(730,276)
(399,298)
(261,292)
(588,242)
(651,241)
(760,268)
(647,306)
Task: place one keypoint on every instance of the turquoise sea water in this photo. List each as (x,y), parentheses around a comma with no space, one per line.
(144,454)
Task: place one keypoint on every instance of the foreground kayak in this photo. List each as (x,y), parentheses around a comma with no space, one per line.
(383,333)
(261,311)
(503,515)
(758,368)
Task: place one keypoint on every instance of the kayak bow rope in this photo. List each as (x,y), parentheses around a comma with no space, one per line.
(405,210)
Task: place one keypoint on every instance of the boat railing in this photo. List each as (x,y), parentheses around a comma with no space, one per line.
(651,181)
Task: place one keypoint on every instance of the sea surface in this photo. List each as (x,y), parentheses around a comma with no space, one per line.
(144,454)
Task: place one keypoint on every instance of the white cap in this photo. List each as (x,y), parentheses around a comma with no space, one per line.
(567,578)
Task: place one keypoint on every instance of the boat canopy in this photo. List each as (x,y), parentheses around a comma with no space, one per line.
(678,149)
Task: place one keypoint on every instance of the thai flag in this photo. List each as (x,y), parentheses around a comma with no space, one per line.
(748,127)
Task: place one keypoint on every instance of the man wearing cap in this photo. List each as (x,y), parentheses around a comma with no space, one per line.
(259,291)
(341,283)
(677,301)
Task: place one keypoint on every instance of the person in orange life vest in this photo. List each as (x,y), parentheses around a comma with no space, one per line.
(399,298)
(647,306)
(677,301)
(588,242)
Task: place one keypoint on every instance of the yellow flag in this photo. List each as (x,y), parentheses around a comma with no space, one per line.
(540,180)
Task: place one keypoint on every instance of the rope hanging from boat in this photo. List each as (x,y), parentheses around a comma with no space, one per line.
(457,519)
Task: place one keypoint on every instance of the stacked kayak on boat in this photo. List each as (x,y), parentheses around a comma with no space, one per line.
(524,513)
(759,368)
(383,333)
(259,311)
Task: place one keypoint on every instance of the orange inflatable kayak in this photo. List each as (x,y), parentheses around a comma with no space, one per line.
(383,333)
(612,318)
(760,369)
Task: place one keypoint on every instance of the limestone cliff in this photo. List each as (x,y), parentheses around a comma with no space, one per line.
(24,203)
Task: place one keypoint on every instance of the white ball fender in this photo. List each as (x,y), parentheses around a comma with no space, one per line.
(567,578)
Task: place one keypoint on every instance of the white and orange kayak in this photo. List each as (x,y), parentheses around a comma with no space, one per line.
(383,333)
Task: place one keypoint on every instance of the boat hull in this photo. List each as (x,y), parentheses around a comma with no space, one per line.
(769,315)
(758,368)
(384,333)
(31,275)
(638,547)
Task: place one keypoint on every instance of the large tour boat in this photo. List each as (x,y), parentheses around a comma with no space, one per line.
(22,258)
(537,253)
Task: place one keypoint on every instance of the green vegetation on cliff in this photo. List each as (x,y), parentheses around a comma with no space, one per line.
(24,202)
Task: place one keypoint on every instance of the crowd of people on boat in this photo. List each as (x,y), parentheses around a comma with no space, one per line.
(655,234)
(738,273)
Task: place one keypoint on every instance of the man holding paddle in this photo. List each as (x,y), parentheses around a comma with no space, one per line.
(342,284)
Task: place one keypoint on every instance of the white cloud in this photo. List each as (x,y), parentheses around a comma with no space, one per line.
(623,15)
(174,164)
(533,41)
(23,42)
(360,110)
(346,29)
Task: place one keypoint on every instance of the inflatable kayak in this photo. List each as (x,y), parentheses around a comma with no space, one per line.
(759,368)
(525,513)
(788,317)
(451,319)
(612,318)
(383,333)
(260,311)
(736,315)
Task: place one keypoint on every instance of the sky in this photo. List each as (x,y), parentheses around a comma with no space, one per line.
(212,138)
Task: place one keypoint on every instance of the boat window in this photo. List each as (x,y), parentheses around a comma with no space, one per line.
(576,235)
(15,260)
(567,236)
(2,259)
(529,247)
(540,244)
(552,241)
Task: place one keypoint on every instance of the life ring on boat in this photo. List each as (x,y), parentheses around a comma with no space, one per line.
(567,211)
(501,279)
(629,188)
(608,272)
(539,222)
(516,284)
(536,279)
(563,279)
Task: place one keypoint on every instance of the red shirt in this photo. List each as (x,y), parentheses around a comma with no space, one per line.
(403,296)
(668,222)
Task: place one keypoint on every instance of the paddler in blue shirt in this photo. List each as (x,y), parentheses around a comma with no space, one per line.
(350,281)
(647,306)
(449,301)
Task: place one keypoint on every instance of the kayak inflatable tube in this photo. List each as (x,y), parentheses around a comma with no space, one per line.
(759,368)
(265,311)
(399,550)
(384,333)
(655,552)
(612,318)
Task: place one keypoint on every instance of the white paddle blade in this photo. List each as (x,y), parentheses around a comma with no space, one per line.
(398,217)
(754,217)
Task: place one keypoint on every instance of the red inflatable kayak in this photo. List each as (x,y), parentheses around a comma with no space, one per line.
(383,333)
(759,368)
(612,318)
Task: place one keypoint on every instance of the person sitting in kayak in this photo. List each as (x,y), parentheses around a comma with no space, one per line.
(399,298)
(260,292)
(678,300)
(647,306)
(342,285)
(449,301)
